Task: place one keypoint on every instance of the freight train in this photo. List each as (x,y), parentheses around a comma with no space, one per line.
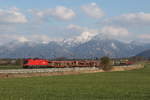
(44,63)
(122,62)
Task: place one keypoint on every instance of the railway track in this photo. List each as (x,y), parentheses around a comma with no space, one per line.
(50,70)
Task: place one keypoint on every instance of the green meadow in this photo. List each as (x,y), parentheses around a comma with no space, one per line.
(7,67)
(127,85)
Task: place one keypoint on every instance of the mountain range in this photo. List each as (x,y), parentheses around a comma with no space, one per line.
(93,48)
(145,54)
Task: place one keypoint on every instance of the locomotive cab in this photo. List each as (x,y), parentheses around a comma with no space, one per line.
(35,63)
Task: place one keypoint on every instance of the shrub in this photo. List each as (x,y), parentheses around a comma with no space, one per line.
(106,63)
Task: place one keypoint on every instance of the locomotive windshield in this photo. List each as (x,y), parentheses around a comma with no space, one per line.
(25,61)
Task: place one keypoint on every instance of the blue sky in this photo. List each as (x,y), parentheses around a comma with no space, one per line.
(112,7)
(57,19)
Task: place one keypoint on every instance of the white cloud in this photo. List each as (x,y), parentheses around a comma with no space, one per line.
(22,39)
(76,28)
(136,19)
(85,35)
(114,31)
(60,12)
(93,10)
(12,16)
(144,36)
(37,12)
(40,38)
(36,38)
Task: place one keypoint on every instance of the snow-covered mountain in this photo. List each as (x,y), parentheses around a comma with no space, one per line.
(94,47)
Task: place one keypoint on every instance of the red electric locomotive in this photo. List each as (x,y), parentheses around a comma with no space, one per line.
(35,63)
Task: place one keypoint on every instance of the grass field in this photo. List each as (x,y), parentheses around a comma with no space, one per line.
(5,67)
(128,85)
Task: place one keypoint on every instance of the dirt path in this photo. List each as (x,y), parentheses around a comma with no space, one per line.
(124,68)
(50,72)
